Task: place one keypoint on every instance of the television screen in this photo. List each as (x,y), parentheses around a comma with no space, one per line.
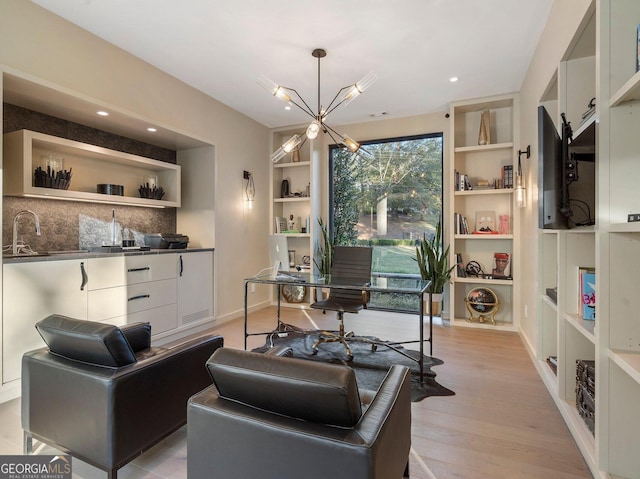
(550,174)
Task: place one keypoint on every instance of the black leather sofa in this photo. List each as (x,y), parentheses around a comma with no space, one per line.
(102,394)
(272,417)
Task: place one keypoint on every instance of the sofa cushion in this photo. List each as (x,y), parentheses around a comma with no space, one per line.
(86,341)
(317,392)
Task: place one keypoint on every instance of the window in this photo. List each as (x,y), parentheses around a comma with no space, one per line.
(387,198)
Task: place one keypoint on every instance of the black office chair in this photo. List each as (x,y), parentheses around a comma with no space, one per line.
(352,265)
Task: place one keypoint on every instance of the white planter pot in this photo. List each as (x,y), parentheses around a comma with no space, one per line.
(436,299)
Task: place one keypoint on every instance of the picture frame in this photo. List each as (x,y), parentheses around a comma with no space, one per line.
(486,222)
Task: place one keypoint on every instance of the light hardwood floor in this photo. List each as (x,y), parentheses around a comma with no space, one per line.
(501,424)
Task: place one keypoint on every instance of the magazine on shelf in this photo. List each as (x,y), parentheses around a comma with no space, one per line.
(587,293)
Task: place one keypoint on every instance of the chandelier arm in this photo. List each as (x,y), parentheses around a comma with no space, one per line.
(307,109)
(328,129)
(329,108)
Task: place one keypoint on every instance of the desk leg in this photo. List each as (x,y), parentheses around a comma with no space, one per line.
(430,324)
(246,286)
(421,362)
(279,327)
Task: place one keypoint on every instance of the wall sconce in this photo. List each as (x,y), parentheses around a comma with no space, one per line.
(250,188)
(521,192)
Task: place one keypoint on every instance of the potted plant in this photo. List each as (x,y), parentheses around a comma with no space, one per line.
(433,261)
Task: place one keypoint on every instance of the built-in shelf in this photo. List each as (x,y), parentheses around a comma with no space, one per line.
(550,302)
(488,191)
(484,237)
(507,282)
(295,235)
(628,361)
(583,326)
(91,165)
(496,146)
(633,227)
(630,91)
(293,164)
(291,200)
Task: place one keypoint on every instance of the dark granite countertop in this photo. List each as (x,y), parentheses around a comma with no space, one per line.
(85,254)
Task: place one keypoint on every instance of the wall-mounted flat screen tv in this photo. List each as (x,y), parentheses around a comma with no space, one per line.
(566,174)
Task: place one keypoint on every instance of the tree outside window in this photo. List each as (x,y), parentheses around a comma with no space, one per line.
(387,198)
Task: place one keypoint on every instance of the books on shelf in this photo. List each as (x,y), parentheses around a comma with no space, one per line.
(507,176)
(462,182)
(461,225)
(587,293)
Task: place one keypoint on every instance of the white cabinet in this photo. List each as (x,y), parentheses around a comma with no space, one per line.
(473,200)
(195,287)
(31,291)
(91,165)
(127,289)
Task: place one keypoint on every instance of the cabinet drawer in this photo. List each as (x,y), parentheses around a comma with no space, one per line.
(125,300)
(125,270)
(164,318)
(150,268)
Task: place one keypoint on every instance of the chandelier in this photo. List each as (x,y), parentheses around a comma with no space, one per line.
(344,96)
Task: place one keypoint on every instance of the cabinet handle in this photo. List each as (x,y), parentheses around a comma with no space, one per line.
(140,296)
(181,266)
(145,268)
(85,278)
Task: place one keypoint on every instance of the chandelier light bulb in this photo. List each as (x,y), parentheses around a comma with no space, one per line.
(273,88)
(350,143)
(313,129)
(359,87)
(286,148)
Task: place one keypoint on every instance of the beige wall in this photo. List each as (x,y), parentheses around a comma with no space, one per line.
(41,47)
(564,19)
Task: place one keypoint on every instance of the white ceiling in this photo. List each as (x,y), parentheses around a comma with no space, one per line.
(221,47)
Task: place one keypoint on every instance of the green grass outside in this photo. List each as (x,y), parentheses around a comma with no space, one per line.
(395,259)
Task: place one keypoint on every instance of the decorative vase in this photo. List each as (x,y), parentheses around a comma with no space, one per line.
(484,137)
(295,156)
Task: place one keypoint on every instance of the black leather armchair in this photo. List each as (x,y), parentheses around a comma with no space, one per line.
(102,394)
(273,417)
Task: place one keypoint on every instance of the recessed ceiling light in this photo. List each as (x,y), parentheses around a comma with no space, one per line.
(379,113)
(288,107)
(453,79)
(151,129)
(102,113)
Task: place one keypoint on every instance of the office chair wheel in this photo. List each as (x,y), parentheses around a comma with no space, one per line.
(374,347)
(349,358)
(314,351)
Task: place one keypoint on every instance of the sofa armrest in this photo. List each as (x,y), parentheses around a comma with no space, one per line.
(138,335)
(109,415)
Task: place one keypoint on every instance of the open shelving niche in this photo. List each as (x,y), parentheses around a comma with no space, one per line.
(478,161)
(92,165)
(300,175)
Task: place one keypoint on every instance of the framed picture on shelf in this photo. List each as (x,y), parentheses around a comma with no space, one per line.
(501,266)
(486,222)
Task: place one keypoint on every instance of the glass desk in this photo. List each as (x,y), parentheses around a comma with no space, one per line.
(376,284)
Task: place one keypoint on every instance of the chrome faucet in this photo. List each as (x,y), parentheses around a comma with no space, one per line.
(21,249)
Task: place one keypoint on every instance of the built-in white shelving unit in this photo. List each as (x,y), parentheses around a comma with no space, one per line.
(303,202)
(483,162)
(600,63)
(91,165)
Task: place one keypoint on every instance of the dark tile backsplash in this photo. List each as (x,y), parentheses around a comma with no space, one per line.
(71,225)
